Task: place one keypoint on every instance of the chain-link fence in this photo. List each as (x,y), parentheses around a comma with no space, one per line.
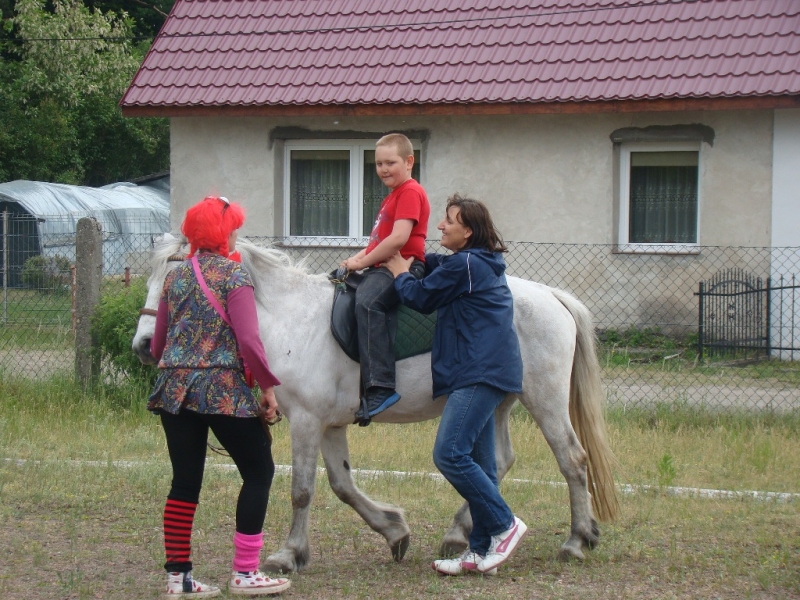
(655,345)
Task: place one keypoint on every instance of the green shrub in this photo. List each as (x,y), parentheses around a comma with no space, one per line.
(47,274)
(114,324)
(649,337)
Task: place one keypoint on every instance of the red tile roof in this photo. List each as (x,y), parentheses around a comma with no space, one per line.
(439,53)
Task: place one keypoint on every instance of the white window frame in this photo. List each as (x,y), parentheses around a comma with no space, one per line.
(356,147)
(623,245)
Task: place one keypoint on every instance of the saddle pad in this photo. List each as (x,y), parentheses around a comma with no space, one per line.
(414,332)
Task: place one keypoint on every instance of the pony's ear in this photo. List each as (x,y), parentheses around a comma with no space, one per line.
(168,237)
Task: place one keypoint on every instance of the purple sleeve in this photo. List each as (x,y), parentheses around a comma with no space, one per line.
(159,339)
(244,320)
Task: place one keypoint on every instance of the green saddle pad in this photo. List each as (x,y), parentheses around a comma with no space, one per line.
(414,333)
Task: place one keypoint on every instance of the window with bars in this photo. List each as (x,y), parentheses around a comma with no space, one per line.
(331,188)
(659,196)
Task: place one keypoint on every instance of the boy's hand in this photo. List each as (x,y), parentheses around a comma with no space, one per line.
(351,264)
(397,264)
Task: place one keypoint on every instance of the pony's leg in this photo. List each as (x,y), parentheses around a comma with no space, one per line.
(571,458)
(456,539)
(384,518)
(306,433)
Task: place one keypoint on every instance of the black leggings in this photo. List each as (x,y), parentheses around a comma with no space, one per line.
(248,446)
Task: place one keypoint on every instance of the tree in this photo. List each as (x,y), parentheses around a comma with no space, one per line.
(148,15)
(59,114)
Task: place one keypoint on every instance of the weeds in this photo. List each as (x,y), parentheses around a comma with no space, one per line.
(666,471)
(71,529)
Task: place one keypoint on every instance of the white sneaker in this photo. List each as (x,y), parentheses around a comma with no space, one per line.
(466,563)
(256,583)
(181,585)
(503,546)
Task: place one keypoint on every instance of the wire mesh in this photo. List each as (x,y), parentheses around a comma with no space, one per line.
(645,307)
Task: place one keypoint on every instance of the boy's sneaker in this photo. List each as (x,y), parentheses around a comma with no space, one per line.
(377,400)
(255,583)
(503,545)
(181,585)
(466,563)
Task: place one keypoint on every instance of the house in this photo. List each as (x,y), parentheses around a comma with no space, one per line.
(656,127)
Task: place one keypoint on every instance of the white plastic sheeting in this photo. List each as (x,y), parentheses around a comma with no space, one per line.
(43,218)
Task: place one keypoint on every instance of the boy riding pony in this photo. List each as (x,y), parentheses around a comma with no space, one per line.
(401,226)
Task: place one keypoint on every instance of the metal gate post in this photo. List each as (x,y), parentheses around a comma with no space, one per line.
(769,314)
(700,322)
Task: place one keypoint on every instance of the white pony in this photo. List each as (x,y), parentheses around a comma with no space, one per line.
(319,395)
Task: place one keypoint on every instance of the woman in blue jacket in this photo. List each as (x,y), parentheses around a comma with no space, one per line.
(475,362)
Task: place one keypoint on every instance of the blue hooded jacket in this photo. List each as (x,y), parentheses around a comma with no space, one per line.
(475,339)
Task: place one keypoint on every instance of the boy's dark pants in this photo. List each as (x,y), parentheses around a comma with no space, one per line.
(375,297)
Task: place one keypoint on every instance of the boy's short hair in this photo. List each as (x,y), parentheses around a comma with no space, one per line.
(399,141)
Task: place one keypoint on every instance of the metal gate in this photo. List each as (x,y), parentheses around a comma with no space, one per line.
(747,316)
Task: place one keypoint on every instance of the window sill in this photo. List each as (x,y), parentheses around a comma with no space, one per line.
(666,249)
(322,242)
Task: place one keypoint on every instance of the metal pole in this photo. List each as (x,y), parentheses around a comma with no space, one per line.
(73,286)
(700,323)
(769,317)
(5,266)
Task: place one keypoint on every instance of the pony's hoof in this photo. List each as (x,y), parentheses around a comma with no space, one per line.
(399,547)
(280,563)
(568,553)
(452,547)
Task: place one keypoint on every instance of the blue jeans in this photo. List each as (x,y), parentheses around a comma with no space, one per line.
(464,453)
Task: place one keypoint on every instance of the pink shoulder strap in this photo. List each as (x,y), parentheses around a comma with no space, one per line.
(211,298)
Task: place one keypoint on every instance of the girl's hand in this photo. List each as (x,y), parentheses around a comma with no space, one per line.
(269,406)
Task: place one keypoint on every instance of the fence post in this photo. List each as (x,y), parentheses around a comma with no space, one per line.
(769,318)
(700,322)
(5,266)
(88,271)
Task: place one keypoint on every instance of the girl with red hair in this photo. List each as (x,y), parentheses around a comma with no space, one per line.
(202,386)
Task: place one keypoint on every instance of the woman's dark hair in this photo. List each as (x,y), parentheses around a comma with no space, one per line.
(475,215)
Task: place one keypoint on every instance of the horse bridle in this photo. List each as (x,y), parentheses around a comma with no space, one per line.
(152,312)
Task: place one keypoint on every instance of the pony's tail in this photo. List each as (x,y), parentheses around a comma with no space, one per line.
(586,412)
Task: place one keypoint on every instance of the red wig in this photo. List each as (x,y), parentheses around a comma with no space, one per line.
(209,223)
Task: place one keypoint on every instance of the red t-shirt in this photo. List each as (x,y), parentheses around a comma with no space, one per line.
(406,201)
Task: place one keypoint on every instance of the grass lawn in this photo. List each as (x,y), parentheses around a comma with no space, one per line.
(84,476)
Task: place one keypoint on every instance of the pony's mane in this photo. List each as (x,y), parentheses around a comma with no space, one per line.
(255,258)
(260,259)
(164,248)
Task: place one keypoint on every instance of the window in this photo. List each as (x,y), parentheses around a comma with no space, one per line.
(331,188)
(659,194)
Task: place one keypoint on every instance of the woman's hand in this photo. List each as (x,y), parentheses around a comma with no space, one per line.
(397,264)
(269,405)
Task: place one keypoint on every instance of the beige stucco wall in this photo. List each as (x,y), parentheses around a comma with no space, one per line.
(547,178)
(225,157)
